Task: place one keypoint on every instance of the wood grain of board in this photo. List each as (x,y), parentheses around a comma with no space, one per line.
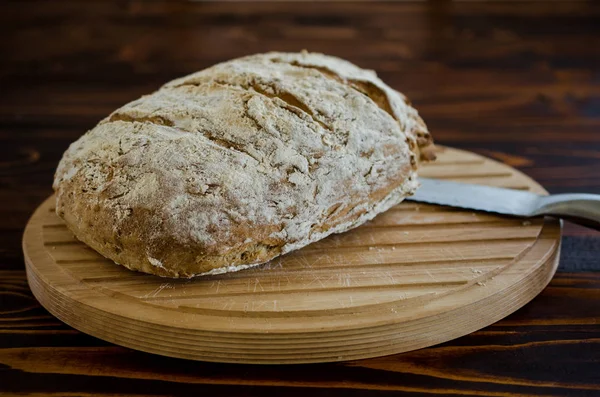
(414,276)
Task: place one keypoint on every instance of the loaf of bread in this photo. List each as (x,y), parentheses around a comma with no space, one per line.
(234,165)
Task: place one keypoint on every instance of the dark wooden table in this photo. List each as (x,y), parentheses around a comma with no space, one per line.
(517,82)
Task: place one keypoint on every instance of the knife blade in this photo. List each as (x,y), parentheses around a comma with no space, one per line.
(476,197)
(580,208)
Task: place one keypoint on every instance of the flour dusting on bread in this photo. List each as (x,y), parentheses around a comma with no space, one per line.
(234,165)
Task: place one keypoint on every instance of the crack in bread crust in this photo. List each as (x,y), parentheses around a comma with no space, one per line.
(159,120)
(422,138)
(364,87)
(284,99)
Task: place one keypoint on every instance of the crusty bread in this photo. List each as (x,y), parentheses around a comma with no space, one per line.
(234,165)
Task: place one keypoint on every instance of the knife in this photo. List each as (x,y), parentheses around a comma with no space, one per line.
(583,209)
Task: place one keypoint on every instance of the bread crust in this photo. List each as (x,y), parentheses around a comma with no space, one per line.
(234,165)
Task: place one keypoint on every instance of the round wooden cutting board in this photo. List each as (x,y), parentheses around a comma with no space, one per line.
(413,277)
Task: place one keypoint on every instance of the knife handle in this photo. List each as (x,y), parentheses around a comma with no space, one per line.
(583,209)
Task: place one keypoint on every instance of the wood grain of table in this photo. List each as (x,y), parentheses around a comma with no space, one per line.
(519,82)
